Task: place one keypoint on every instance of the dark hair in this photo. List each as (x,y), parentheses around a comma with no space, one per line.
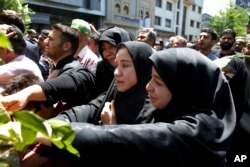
(229,31)
(210,31)
(150,31)
(20,82)
(68,35)
(12,17)
(17,40)
(45,32)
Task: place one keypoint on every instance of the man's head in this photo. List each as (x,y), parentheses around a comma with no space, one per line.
(19,82)
(81,25)
(43,35)
(17,41)
(61,42)
(227,39)
(83,28)
(147,35)
(240,43)
(179,41)
(12,17)
(207,39)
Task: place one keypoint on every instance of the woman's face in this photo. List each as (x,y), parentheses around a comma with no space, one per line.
(158,92)
(125,74)
(108,52)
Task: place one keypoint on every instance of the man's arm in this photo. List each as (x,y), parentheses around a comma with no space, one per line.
(20,99)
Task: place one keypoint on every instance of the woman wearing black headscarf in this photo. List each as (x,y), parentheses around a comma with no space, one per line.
(236,72)
(192,125)
(131,103)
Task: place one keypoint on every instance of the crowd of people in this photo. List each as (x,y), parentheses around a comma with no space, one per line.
(130,99)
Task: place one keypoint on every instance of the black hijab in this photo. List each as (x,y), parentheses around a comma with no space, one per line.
(195,84)
(114,36)
(130,106)
(240,85)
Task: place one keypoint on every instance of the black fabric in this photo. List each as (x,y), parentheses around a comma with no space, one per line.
(194,130)
(240,86)
(74,88)
(66,65)
(63,67)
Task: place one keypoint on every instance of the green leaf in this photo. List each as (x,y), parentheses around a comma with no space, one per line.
(28,135)
(4,42)
(4,164)
(63,136)
(31,121)
(25,138)
(23,131)
(4,117)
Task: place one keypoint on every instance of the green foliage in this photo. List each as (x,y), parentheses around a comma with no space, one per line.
(22,132)
(18,6)
(5,42)
(233,17)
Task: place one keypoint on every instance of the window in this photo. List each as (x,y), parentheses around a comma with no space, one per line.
(117,8)
(158,3)
(141,14)
(192,23)
(157,20)
(169,6)
(126,10)
(193,7)
(198,24)
(147,14)
(178,4)
(177,18)
(199,9)
(176,30)
(167,23)
(190,37)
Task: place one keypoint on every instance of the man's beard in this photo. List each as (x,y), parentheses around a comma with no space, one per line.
(226,45)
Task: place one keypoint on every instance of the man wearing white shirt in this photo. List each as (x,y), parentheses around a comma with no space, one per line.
(15,62)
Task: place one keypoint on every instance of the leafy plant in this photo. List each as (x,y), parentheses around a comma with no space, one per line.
(19,130)
(22,132)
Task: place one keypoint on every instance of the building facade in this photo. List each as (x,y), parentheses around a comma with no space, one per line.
(129,14)
(178,17)
(167,17)
(48,12)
